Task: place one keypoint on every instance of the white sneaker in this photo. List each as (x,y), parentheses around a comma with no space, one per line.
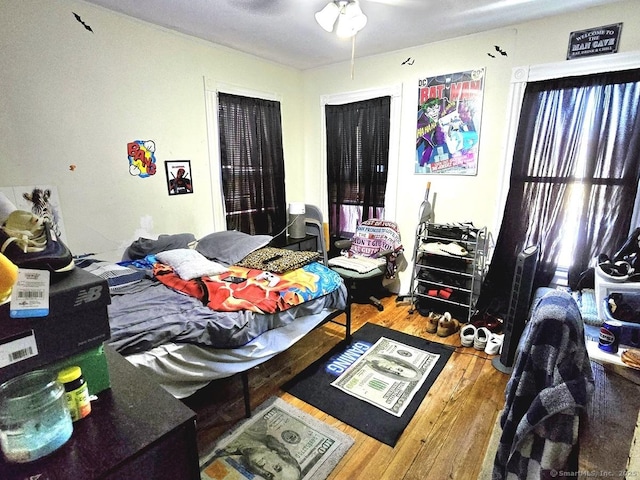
(494,344)
(482,337)
(467,335)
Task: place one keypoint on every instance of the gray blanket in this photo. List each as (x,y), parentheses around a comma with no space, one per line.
(155,314)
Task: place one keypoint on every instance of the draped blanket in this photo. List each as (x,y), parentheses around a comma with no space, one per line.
(550,387)
(275,293)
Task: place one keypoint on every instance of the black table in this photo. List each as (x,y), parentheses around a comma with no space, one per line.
(135,430)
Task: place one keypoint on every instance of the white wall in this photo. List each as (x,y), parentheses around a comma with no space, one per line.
(459,198)
(68,96)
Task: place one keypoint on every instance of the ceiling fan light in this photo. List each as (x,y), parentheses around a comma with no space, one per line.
(327,16)
(351,21)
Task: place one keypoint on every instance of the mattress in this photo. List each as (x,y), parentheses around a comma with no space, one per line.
(182,368)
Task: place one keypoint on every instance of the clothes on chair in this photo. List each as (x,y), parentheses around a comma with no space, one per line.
(377,238)
(549,389)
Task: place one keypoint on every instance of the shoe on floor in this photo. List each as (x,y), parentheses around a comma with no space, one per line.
(432,322)
(447,325)
(494,344)
(467,335)
(493,323)
(482,337)
(28,241)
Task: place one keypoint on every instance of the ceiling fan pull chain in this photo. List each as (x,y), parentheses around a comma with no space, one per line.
(353,55)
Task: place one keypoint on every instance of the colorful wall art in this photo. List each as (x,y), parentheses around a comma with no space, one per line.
(448,131)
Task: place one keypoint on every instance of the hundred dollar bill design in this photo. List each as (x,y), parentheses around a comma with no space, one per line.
(388,375)
(277,443)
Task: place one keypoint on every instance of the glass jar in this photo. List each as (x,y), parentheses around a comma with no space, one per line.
(34,418)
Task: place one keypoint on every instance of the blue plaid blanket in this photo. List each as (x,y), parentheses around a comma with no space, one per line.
(550,387)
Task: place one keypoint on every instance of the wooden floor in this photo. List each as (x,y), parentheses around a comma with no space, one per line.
(448,436)
(446,439)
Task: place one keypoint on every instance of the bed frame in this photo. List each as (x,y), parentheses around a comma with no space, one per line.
(329,319)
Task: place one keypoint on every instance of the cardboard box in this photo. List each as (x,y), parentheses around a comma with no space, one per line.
(77,321)
(95,370)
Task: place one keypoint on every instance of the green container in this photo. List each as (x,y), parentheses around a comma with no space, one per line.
(93,363)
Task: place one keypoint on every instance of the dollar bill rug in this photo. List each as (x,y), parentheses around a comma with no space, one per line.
(279,442)
(375,382)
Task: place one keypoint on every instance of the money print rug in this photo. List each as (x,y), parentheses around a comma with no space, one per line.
(375,382)
(278,442)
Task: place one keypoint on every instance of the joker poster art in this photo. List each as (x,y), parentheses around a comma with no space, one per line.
(449,113)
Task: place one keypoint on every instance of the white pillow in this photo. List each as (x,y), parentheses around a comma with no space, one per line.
(189,264)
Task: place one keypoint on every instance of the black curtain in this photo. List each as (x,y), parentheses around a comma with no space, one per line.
(357,158)
(574,133)
(252,163)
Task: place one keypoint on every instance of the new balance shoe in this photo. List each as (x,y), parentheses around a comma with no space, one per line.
(29,242)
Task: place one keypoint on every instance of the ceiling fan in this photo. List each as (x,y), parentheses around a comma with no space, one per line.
(345,15)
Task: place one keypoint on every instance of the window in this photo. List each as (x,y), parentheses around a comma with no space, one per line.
(574,176)
(357,162)
(251,164)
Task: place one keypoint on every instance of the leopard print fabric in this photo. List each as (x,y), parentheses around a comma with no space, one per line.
(277,260)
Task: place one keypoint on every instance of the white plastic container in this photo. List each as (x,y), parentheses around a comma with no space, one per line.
(34,417)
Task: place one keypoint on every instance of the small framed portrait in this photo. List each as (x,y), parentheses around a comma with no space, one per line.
(179,179)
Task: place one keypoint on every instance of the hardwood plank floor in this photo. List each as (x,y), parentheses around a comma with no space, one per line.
(448,436)
(446,439)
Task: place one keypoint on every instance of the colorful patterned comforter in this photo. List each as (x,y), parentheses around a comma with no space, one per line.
(261,292)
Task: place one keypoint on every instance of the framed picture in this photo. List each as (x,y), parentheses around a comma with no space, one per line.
(179,179)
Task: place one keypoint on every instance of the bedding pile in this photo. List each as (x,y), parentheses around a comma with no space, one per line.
(202,295)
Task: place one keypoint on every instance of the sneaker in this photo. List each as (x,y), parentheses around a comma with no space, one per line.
(467,335)
(29,242)
(494,344)
(482,337)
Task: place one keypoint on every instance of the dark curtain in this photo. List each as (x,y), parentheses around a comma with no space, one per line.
(590,121)
(252,163)
(357,158)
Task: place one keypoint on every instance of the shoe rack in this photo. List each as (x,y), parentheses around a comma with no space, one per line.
(449,267)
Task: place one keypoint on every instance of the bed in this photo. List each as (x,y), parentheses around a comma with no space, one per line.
(189,312)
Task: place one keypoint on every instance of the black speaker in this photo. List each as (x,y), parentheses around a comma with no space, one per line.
(519,303)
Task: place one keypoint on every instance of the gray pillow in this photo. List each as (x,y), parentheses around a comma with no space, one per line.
(230,246)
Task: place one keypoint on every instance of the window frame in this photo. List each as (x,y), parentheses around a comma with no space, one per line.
(395,92)
(212,89)
(520,76)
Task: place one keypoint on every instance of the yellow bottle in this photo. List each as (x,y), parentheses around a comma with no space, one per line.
(76,392)
(8,277)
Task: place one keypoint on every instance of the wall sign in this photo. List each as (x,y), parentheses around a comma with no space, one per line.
(449,112)
(594,41)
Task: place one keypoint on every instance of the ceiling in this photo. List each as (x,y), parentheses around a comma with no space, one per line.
(285,31)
